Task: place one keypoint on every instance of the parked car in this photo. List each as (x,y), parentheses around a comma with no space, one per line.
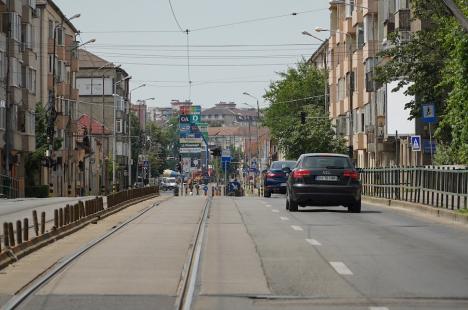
(324,180)
(275,178)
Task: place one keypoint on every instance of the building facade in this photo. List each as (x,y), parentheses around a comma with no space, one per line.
(357,105)
(104,91)
(19,49)
(227,114)
(58,66)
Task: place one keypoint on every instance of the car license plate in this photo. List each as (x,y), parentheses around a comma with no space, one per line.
(326,178)
(283,184)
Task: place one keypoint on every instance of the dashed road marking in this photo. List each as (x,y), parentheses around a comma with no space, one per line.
(341,268)
(268,206)
(275,211)
(298,228)
(313,242)
(283,218)
(378,308)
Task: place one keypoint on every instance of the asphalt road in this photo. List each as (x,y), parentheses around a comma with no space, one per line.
(257,255)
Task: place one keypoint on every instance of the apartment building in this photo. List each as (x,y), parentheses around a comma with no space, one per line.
(58,65)
(358,106)
(19,48)
(104,92)
(228,114)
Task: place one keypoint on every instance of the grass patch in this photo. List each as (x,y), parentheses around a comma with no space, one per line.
(463,211)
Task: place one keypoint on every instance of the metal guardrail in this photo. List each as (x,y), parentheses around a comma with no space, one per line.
(438,186)
(9,187)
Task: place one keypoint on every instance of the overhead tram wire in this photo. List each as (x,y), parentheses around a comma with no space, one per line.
(187,31)
(253,20)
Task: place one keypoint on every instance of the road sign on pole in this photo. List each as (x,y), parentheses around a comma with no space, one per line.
(428,113)
(416,143)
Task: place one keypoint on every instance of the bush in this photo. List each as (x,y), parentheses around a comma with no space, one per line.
(41,191)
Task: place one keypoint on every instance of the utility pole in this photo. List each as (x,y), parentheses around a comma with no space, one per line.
(8,95)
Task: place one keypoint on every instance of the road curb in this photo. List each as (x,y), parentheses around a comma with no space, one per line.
(19,251)
(446,214)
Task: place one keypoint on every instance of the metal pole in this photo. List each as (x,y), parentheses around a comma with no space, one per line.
(104,168)
(130,139)
(7,90)
(114,142)
(430,142)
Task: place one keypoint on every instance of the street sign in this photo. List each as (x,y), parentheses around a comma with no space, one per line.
(226,159)
(190,140)
(416,143)
(195,118)
(429,114)
(184,119)
(190,150)
(428,147)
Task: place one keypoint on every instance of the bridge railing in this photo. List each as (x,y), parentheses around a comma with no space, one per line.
(438,186)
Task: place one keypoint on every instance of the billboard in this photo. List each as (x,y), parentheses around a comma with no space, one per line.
(93,86)
(397,116)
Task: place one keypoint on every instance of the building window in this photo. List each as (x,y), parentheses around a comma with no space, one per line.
(341,89)
(119,103)
(3,116)
(16,27)
(349,8)
(360,36)
(368,28)
(32,4)
(402,5)
(2,65)
(370,64)
(118,126)
(51,29)
(60,36)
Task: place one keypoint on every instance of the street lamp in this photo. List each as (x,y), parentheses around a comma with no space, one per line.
(130,133)
(306,33)
(113,136)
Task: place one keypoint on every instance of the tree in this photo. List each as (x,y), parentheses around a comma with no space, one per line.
(299,90)
(435,62)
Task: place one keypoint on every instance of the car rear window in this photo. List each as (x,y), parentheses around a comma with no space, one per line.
(323,162)
(279,165)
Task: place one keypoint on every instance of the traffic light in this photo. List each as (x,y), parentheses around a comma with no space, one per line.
(303,117)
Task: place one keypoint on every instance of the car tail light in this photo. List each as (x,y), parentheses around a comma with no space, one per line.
(273,175)
(354,175)
(300,173)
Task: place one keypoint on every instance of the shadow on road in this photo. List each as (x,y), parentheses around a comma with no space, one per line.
(315,210)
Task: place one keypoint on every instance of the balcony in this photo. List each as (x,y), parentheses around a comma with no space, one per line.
(371,5)
(403,20)
(62,121)
(29,143)
(347,25)
(357,17)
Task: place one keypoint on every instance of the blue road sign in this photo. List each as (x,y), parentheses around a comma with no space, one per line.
(427,147)
(429,114)
(226,159)
(416,143)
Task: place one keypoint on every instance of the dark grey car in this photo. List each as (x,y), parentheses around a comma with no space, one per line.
(324,179)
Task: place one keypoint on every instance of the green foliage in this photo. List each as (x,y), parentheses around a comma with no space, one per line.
(435,61)
(283,116)
(33,162)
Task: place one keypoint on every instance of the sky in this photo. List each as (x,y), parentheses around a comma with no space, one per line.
(225,61)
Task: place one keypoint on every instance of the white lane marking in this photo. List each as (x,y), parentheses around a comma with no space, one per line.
(341,268)
(298,228)
(275,211)
(283,218)
(378,308)
(268,206)
(313,242)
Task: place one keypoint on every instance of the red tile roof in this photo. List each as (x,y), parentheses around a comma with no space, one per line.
(96,127)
